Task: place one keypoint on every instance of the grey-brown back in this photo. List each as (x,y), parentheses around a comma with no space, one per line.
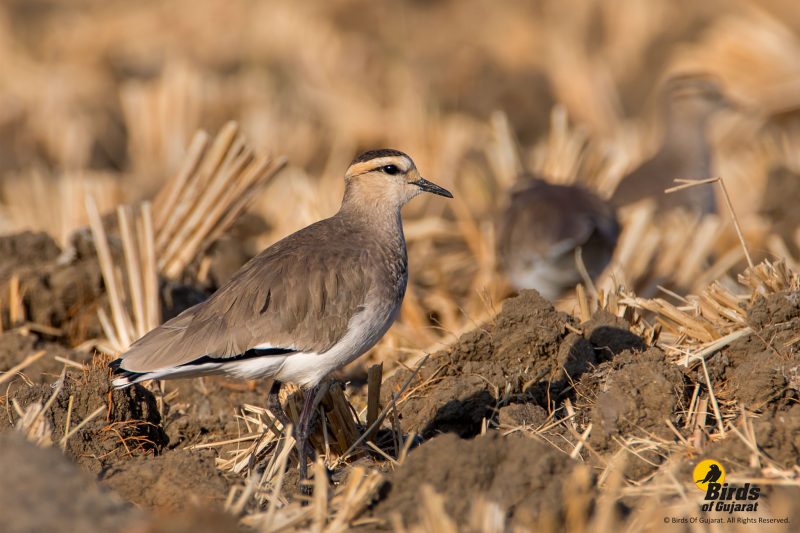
(298,294)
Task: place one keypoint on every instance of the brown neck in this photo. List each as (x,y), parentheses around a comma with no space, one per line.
(378,210)
(377,218)
(686,136)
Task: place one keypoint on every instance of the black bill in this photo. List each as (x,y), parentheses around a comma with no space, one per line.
(431,187)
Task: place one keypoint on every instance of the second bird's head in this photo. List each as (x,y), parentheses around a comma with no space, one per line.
(694,97)
(386,177)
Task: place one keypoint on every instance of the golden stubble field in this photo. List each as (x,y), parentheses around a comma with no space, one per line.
(149,149)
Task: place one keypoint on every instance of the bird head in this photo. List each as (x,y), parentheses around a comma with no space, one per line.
(694,97)
(386,177)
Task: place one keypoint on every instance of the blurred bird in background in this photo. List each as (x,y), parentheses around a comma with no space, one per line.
(548,232)
(688,104)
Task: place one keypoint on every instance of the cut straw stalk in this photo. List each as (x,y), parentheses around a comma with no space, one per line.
(69,418)
(133,264)
(685,184)
(215,184)
(16,309)
(505,153)
(136,229)
(374,378)
(94,414)
(340,417)
(167,198)
(107,268)
(186,190)
(219,217)
(207,194)
(147,246)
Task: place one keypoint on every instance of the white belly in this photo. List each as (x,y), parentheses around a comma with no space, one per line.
(307,368)
(546,277)
(364,331)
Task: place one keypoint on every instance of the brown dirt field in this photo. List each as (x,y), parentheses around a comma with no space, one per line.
(511,376)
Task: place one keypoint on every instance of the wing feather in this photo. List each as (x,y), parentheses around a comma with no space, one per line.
(298,295)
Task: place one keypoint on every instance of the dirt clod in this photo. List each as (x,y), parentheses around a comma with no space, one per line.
(632,396)
(763,369)
(633,393)
(523,476)
(777,437)
(129,423)
(42,490)
(16,346)
(25,250)
(521,414)
(527,351)
(171,481)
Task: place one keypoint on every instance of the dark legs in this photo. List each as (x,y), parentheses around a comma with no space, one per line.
(274,404)
(304,425)
(304,430)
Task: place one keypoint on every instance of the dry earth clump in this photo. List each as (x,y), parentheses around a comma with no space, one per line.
(15,345)
(529,351)
(524,477)
(759,376)
(54,292)
(762,370)
(120,423)
(65,290)
(528,354)
(25,249)
(42,490)
(169,482)
(632,396)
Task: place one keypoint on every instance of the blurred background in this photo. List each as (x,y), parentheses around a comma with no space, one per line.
(105,97)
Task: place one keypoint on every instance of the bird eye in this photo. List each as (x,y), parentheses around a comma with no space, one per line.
(390,169)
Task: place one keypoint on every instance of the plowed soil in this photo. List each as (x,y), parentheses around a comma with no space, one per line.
(490,413)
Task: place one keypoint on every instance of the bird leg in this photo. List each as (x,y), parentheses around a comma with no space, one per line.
(304,430)
(304,426)
(274,404)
